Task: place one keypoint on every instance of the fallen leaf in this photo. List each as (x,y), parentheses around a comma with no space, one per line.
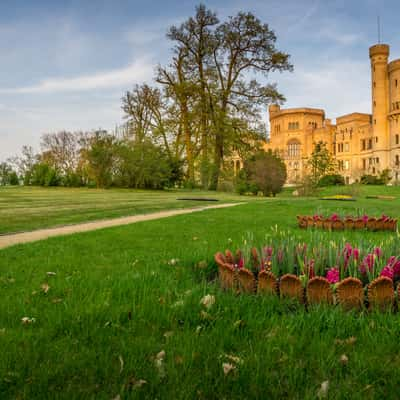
(121,363)
(45,288)
(207,301)
(51,273)
(344,359)
(323,390)
(228,368)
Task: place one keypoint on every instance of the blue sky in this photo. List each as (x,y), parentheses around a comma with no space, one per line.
(65,64)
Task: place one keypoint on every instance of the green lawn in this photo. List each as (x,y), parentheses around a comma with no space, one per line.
(116,301)
(28,208)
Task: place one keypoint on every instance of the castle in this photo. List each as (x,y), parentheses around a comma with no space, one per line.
(361,143)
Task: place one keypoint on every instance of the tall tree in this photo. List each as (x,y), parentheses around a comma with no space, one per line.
(196,38)
(321,162)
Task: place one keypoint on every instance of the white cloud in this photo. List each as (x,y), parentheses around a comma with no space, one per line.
(137,71)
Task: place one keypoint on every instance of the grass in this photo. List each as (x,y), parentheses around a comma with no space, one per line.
(29,208)
(116,301)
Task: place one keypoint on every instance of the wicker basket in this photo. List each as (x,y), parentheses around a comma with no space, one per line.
(381,294)
(246,281)
(319,291)
(359,224)
(327,224)
(349,223)
(267,283)
(310,221)
(302,221)
(229,257)
(337,225)
(380,224)
(371,224)
(393,225)
(319,223)
(290,286)
(350,293)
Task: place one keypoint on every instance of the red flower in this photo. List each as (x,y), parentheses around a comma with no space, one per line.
(333,275)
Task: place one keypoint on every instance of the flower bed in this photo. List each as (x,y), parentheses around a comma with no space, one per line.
(335,222)
(315,273)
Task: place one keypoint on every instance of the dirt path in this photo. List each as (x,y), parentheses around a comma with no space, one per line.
(26,237)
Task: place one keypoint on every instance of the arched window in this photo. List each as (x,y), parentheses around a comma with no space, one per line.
(293,149)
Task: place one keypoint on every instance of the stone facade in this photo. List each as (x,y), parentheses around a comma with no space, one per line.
(361,143)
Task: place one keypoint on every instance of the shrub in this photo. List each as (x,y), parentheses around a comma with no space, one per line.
(331,180)
(264,172)
(371,180)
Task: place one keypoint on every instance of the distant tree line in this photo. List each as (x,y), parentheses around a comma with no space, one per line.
(183,127)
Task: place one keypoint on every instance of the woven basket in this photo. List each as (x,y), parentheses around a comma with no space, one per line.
(310,221)
(359,224)
(349,223)
(337,225)
(290,286)
(267,283)
(393,225)
(319,223)
(350,293)
(246,281)
(302,221)
(220,259)
(319,291)
(229,257)
(371,224)
(380,225)
(327,224)
(381,294)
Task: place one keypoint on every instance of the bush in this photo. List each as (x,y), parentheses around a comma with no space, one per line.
(264,172)
(331,180)
(44,175)
(371,180)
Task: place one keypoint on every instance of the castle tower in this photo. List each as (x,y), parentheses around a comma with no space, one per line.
(379,55)
(394,118)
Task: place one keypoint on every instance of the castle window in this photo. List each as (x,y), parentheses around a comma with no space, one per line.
(364,161)
(376,139)
(397,139)
(395,82)
(293,148)
(397,161)
(374,121)
(377,160)
(346,147)
(369,144)
(363,144)
(374,103)
(347,165)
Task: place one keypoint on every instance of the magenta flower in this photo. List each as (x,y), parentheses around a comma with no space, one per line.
(387,271)
(268,251)
(356,254)
(378,252)
(240,263)
(396,269)
(365,218)
(334,217)
(333,275)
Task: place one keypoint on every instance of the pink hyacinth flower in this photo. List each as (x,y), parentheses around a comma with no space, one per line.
(356,254)
(378,252)
(387,271)
(333,275)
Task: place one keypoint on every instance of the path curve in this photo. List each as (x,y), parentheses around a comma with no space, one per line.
(40,234)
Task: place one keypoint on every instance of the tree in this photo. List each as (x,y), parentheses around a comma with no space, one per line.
(321,162)
(222,55)
(61,151)
(7,175)
(265,172)
(99,156)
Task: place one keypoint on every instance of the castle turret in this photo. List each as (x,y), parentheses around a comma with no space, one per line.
(379,55)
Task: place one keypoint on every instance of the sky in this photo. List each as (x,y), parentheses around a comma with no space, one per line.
(65,64)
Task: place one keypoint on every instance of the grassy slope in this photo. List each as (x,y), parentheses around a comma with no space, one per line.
(28,208)
(115,296)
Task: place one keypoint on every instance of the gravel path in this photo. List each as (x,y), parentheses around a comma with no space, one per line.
(26,237)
